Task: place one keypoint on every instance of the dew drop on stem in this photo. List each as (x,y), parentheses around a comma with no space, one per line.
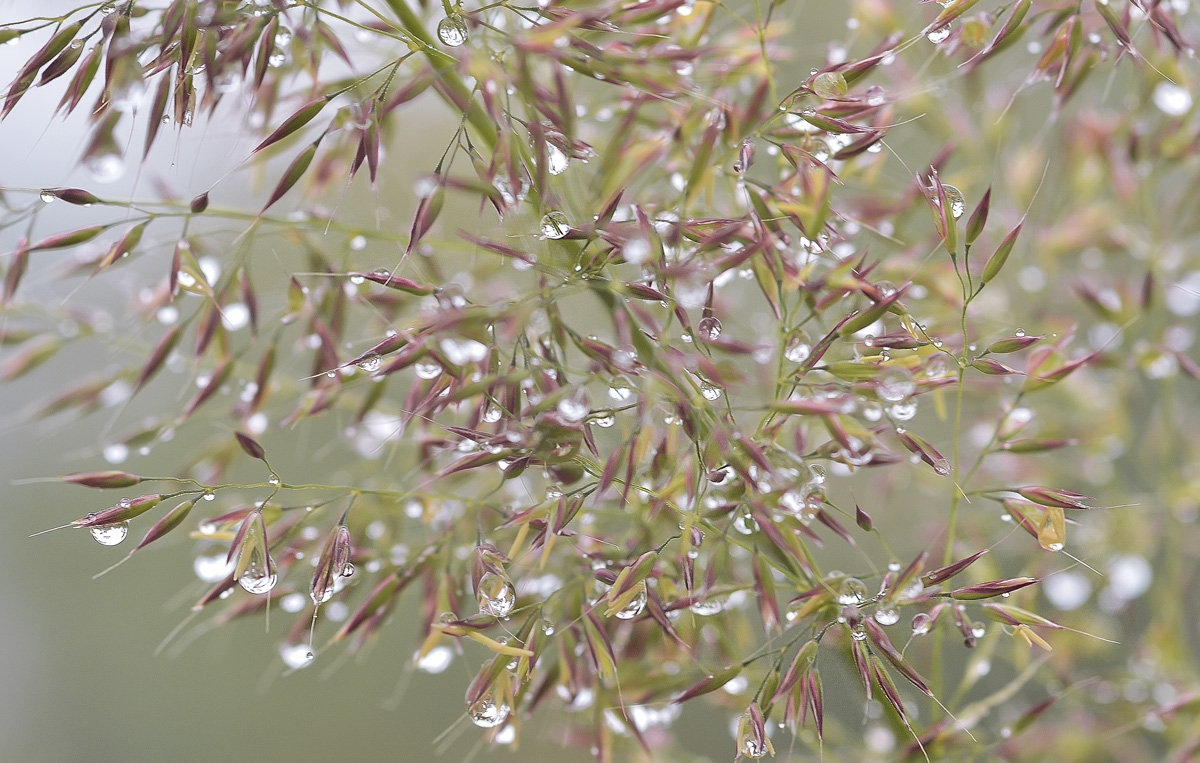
(452,30)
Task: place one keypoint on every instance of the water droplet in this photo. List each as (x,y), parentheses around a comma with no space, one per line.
(714,605)
(635,605)
(296,656)
(852,591)
(903,411)
(887,616)
(427,369)
(876,96)
(605,421)
(858,633)
(921,624)
(709,328)
(798,348)
(452,30)
(895,385)
(555,225)
(620,394)
(745,524)
(47,197)
(572,410)
(437,660)
(556,161)
(939,35)
(1019,332)
(710,392)
(273,479)
(110,535)
(105,168)
(370,362)
(978,629)
(487,713)
(496,595)
(955,200)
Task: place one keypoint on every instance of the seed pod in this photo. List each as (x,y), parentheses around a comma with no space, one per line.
(125,510)
(106,480)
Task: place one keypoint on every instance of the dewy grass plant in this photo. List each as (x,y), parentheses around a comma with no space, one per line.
(682,376)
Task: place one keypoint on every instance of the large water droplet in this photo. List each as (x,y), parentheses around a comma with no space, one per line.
(555,225)
(496,595)
(887,616)
(427,369)
(939,35)
(713,605)
(635,605)
(370,362)
(921,624)
(798,348)
(709,328)
(852,591)
(955,200)
(110,535)
(556,160)
(452,30)
(487,712)
(437,660)
(895,385)
(710,392)
(572,410)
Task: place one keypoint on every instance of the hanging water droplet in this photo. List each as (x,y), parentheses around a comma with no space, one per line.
(939,35)
(887,616)
(745,524)
(978,629)
(556,160)
(257,580)
(425,369)
(108,9)
(955,200)
(710,392)
(555,225)
(713,605)
(895,385)
(492,414)
(1019,332)
(635,605)
(605,421)
(487,713)
(371,362)
(209,495)
(858,633)
(852,591)
(709,328)
(296,656)
(452,30)
(47,197)
(620,394)
(110,535)
(902,411)
(496,595)
(273,479)
(921,624)
(436,660)
(572,410)
(876,96)
(798,348)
